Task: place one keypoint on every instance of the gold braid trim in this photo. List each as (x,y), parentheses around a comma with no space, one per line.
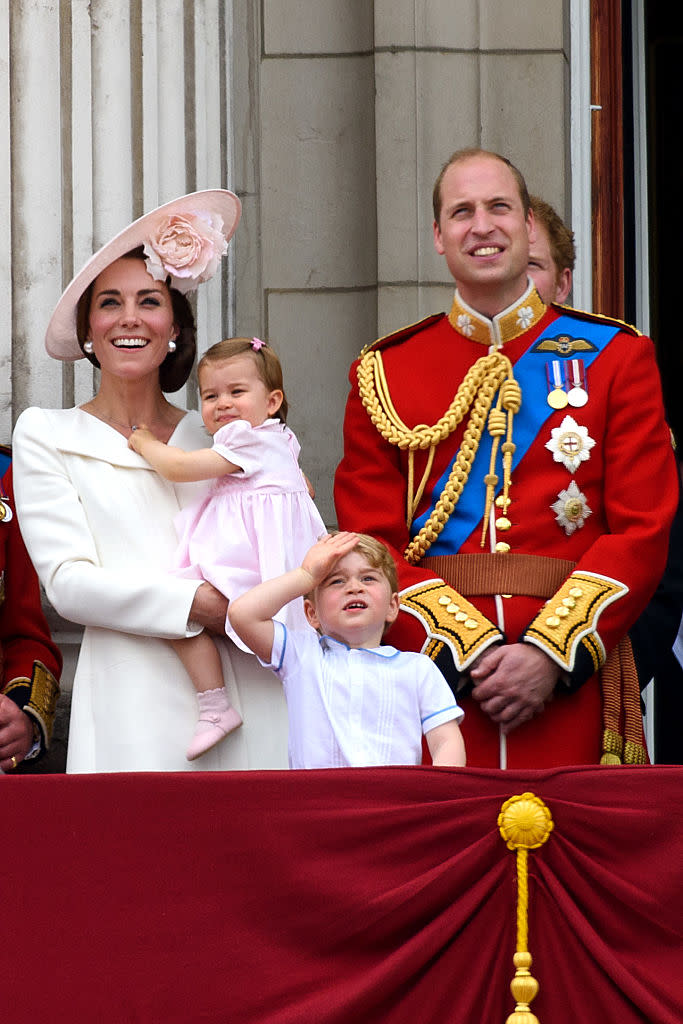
(490,374)
(570,618)
(623,741)
(38,696)
(449,616)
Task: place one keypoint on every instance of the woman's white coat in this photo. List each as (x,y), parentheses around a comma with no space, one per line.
(98,524)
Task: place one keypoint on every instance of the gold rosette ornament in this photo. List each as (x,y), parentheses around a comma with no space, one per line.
(525,824)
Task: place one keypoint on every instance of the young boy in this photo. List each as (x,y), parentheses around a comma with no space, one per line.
(351,701)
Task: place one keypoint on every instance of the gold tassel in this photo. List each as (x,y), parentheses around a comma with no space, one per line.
(500,425)
(525,823)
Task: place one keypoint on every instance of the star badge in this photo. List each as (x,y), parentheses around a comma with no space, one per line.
(571,509)
(570,444)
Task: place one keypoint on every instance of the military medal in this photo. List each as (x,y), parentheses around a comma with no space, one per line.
(557,396)
(578,393)
(5,510)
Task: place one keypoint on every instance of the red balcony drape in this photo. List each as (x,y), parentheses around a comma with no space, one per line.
(361,896)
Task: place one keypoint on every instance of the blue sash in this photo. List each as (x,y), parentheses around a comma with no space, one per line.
(530,373)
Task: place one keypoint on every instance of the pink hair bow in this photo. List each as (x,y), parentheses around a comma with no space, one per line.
(257,344)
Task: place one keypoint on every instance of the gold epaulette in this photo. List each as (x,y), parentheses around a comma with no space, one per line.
(583,314)
(405,332)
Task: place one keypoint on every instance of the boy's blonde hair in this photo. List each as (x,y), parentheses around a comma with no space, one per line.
(265,360)
(378,556)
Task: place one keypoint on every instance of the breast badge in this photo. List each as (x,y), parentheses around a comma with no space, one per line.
(571,509)
(570,444)
(564,345)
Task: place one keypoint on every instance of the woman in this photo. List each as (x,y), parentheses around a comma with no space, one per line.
(98,522)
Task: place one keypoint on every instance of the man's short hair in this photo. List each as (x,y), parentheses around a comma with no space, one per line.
(466,154)
(562,248)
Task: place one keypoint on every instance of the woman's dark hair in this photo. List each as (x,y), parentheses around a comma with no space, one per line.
(176,367)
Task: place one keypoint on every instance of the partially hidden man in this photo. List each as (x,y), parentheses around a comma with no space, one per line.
(30,660)
(516,459)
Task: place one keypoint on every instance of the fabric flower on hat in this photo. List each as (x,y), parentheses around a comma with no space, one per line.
(188,247)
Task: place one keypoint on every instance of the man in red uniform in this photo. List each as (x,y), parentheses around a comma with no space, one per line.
(516,459)
(31,662)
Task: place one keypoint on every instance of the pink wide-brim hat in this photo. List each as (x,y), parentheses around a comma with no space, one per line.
(61,340)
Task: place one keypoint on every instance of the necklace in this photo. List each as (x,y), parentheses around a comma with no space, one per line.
(123,428)
(162,425)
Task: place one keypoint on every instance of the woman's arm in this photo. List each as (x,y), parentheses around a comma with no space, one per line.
(56,514)
(176,464)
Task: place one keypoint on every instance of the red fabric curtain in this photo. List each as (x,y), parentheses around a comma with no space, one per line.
(332,897)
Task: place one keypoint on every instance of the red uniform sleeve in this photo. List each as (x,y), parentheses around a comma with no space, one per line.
(24,632)
(636,492)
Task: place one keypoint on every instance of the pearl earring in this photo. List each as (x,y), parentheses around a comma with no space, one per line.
(172,345)
(87,347)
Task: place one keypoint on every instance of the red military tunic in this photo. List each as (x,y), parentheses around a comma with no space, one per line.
(31,661)
(597,492)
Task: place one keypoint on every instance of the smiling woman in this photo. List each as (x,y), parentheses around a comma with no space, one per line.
(99,525)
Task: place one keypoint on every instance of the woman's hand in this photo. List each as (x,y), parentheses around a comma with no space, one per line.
(209,609)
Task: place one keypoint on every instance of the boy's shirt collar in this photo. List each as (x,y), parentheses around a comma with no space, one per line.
(383,651)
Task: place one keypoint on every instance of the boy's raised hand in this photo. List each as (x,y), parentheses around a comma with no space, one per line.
(322,557)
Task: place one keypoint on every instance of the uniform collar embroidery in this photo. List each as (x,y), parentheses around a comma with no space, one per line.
(513,321)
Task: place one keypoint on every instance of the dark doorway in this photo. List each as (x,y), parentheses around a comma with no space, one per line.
(664,59)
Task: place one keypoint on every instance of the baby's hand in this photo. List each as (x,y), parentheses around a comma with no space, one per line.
(321,558)
(138,436)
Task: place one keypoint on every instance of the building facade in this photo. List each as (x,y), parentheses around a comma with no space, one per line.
(330,121)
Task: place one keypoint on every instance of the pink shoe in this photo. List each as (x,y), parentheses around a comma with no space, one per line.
(217,717)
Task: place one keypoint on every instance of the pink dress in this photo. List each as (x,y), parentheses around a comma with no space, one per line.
(254,524)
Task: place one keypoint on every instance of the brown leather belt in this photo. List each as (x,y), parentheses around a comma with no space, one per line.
(477,575)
